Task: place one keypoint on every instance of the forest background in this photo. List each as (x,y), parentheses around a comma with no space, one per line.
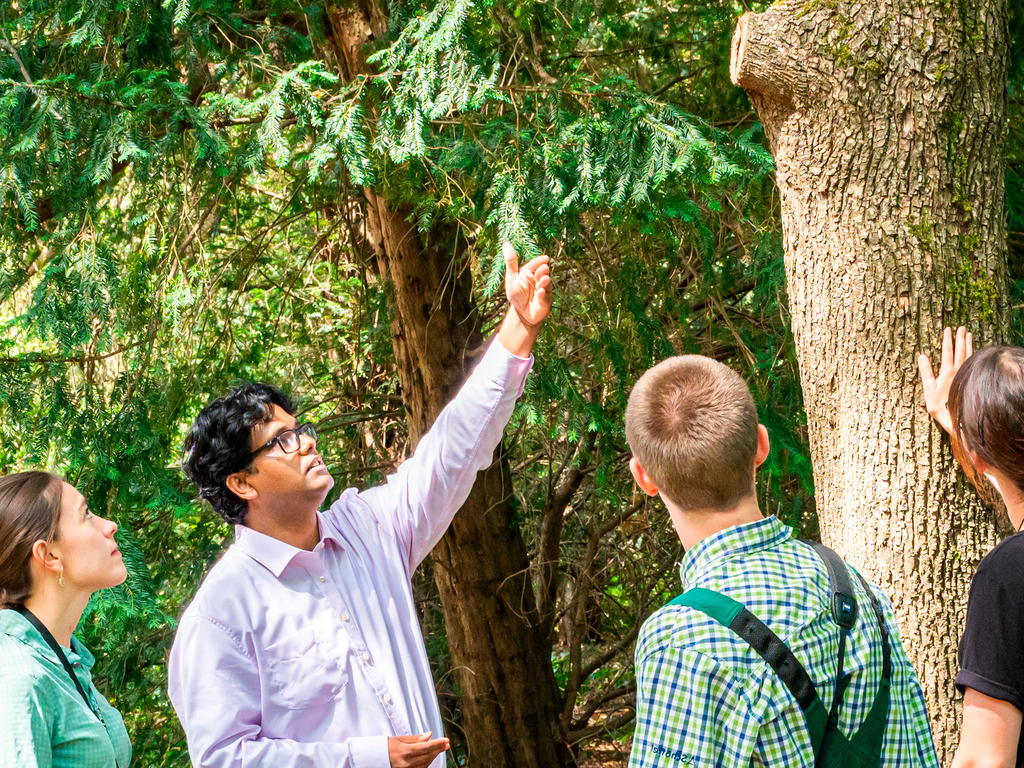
(198,193)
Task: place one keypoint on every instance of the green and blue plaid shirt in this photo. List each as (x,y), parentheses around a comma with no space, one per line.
(706,699)
(43,720)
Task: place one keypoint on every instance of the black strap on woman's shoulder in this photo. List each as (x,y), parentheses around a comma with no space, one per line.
(55,646)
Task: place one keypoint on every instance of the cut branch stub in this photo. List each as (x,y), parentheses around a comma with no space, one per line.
(767,62)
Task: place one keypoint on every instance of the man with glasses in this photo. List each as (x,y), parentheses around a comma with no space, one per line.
(302,646)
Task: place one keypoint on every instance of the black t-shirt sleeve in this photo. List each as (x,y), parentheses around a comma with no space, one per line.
(992,646)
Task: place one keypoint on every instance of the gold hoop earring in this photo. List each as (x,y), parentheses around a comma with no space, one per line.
(60,579)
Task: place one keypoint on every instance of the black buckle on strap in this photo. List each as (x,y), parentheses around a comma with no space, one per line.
(844,610)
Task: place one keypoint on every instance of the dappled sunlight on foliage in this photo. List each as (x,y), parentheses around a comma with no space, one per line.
(182,186)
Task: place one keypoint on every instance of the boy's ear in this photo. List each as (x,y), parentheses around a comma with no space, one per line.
(763,446)
(647,485)
(238,484)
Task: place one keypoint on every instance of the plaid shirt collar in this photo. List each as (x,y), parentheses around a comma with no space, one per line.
(736,541)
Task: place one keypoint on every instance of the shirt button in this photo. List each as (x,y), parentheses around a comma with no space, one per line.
(366,657)
(322,579)
(387,698)
(344,617)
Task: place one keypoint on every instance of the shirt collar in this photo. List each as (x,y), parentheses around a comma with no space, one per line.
(274,554)
(18,627)
(732,542)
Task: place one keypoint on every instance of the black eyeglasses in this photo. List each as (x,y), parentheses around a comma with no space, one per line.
(288,440)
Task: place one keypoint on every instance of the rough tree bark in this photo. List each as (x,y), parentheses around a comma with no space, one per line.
(886,120)
(509,698)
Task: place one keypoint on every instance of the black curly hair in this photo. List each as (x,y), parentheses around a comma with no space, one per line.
(218,443)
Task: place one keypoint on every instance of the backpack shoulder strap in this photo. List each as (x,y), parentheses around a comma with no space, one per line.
(883,630)
(866,744)
(734,615)
(843,604)
(845,611)
(868,740)
(843,600)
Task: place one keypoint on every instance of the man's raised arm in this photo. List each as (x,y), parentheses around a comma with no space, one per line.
(418,502)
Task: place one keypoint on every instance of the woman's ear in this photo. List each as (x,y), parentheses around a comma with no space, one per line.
(45,556)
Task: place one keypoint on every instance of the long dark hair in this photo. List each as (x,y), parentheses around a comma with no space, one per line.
(986,405)
(29,511)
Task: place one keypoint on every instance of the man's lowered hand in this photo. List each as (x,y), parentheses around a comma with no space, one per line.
(414,751)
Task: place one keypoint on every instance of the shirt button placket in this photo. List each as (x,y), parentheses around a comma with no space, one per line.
(359,645)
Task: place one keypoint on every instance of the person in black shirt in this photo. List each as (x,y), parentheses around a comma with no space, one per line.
(979,400)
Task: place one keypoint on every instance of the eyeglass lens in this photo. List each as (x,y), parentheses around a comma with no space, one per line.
(289,440)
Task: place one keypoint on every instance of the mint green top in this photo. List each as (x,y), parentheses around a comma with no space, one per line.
(43,720)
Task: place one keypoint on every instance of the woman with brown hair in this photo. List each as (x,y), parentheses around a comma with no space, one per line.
(979,400)
(54,553)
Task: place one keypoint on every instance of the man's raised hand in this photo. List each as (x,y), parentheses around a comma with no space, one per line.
(528,289)
(414,751)
(936,388)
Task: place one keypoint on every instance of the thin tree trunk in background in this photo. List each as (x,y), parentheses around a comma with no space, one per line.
(887,120)
(507,687)
(509,698)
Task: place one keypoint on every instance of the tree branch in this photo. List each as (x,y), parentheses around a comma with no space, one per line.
(532,57)
(588,711)
(614,522)
(602,54)
(764,62)
(24,73)
(551,539)
(610,725)
(610,652)
(31,357)
(682,78)
(737,290)
(578,671)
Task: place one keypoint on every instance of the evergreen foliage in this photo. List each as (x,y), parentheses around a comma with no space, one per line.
(182,207)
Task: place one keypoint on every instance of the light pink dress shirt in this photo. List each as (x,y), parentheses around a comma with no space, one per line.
(289,658)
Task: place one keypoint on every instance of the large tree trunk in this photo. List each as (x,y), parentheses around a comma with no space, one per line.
(886,120)
(508,694)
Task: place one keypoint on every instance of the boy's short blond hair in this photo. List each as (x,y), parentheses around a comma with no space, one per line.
(692,424)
